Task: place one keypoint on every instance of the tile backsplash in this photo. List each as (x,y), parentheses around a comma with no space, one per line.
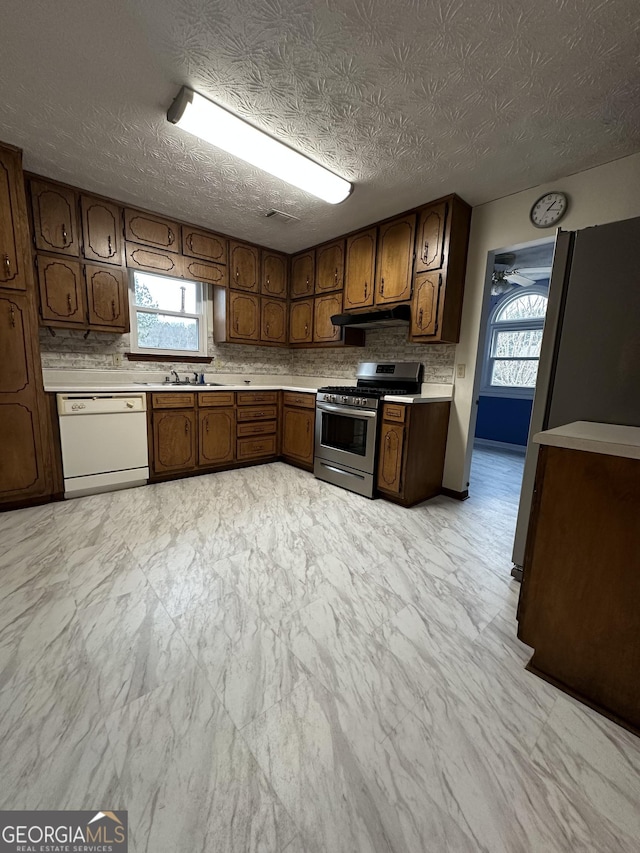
(68,349)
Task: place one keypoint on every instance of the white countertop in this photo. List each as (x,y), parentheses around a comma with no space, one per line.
(609,439)
(436,397)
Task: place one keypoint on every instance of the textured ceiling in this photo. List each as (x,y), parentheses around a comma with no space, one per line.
(409,100)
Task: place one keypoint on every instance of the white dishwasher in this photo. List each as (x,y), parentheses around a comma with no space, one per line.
(104,442)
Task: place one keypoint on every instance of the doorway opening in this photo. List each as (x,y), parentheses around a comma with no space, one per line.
(514,307)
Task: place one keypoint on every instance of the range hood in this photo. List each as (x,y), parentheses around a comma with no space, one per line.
(380,319)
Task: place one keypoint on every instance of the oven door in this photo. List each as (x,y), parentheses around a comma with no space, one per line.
(346,436)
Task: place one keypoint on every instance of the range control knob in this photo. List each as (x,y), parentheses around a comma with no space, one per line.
(345,399)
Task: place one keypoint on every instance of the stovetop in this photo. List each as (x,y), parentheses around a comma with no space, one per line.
(361,391)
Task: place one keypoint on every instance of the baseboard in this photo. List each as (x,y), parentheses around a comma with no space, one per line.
(500,445)
(458,496)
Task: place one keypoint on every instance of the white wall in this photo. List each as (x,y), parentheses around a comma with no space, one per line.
(603,194)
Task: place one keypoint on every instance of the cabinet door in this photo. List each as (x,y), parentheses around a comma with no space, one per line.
(101,230)
(13,226)
(360,270)
(330,267)
(301,322)
(203,244)
(14,351)
(274,275)
(107,301)
(390,464)
(325,307)
(244,316)
(297,433)
(430,239)
(21,460)
(302,275)
(217,436)
(243,263)
(61,290)
(394,264)
(151,230)
(154,260)
(174,441)
(196,270)
(55,218)
(426,303)
(274,321)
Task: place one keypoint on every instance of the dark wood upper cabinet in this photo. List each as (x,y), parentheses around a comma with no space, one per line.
(301,322)
(274,321)
(325,307)
(61,290)
(303,274)
(244,317)
(206,245)
(243,267)
(107,301)
(101,230)
(274,274)
(154,260)
(394,263)
(13,226)
(426,297)
(55,218)
(151,230)
(196,270)
(430,240)
(330,267)
(360,270)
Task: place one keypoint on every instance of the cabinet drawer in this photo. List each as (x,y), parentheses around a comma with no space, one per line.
(257,413)
(393,412)
(259,428)
(251,448)
(253,398)
(291,398)
(170,400)
(215,398)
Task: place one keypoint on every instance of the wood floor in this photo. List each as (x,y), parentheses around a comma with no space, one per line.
(259,661)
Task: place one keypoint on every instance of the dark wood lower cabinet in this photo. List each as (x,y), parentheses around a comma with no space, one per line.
(580,594)
(411,451)
(216,436)
(298,434)
(174,441)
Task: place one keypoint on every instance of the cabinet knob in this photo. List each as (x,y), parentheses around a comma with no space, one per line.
(64,234)
(7,264)
(425,251)
(336,275)
(170,236)
(366,287)
(69,301)
(113,309)
(186,426)
(382,285)
(306,328)
(12,316)
(109,248)
(420,318)
(206,424)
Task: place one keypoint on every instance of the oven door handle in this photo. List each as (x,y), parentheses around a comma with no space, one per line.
(356,413)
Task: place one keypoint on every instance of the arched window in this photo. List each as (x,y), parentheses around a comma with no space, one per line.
(513,343)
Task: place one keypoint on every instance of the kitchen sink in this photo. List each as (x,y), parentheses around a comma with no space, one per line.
(181,384)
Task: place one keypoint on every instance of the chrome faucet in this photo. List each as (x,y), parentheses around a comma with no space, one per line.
(175,373)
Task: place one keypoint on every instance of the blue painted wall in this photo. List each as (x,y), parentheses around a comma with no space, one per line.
(504,419)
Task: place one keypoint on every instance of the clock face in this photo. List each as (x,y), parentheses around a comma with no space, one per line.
(549,209)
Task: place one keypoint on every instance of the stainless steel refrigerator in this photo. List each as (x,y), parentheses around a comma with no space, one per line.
(589,366)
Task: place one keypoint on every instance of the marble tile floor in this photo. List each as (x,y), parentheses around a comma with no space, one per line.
(259,661)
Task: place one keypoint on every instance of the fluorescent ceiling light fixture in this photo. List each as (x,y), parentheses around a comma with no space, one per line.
(216,125)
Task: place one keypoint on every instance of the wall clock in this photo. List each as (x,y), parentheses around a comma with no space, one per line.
(549,209)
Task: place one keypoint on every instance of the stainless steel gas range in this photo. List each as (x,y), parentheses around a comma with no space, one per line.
(347,421)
